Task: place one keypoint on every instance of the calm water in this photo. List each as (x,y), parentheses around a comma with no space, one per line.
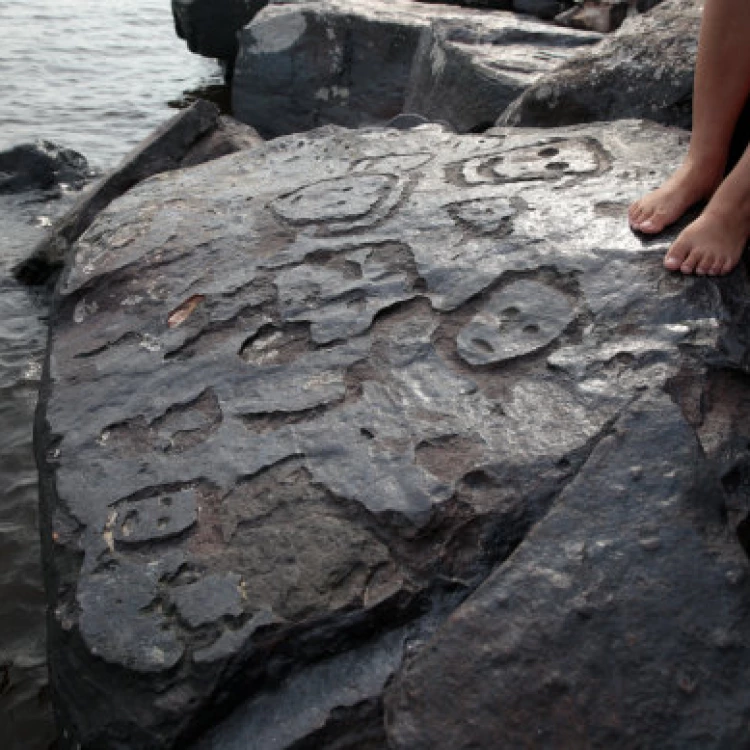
(96,76)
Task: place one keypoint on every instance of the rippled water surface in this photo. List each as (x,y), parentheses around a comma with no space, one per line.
(96,76)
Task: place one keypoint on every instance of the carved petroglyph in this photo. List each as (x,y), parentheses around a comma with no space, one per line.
(120,625)
(156,518)
(551,160)
(522,318)
(389,353)
(340,199)
(485,215)
(181,427)
(342,301)
(342,204)
(393,163)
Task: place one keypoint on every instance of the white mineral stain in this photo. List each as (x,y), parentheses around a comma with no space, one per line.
(280,34)
(83,310)
(108,534)
(149,343)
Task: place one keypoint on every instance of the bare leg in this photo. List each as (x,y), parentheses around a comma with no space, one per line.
(714,242)
(722,85)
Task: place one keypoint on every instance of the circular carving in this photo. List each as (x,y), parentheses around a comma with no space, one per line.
(340,199)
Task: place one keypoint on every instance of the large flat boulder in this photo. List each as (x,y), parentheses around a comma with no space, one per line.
(645,69)
(343,62)
(300,402)
(465,72)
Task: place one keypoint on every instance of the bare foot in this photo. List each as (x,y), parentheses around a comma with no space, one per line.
(657,210)
(711,245)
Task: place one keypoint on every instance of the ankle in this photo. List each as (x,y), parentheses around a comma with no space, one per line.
(706,171)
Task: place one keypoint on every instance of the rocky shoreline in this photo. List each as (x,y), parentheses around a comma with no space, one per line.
(394,435)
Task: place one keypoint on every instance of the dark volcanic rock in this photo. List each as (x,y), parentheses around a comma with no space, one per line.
(210,26)
(301,400)
(466,72)
(308,63)
(620,622)
(41,166)
(163,150)
(645,69)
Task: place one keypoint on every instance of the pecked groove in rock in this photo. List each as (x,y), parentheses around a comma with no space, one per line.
(284,437)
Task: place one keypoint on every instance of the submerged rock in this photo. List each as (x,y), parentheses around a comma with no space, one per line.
(41,166)
(645,69)
(300,402)
(306,64)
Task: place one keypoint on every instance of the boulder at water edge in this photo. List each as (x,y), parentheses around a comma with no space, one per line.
(306,64)
(304,402)
(210,26)
(195,135)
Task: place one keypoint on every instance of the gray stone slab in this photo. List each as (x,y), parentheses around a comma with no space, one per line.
(620,622)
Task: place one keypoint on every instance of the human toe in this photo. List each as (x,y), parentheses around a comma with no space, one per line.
(716,267)
(705,263)
(691,262)
(676,255)
(635,212)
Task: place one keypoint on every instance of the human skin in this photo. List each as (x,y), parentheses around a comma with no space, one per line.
(714,242)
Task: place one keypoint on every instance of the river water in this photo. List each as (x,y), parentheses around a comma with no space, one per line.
(96,76)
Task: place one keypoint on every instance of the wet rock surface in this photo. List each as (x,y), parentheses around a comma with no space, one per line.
(306,64)
(645,69)
(302,401)
(42,166)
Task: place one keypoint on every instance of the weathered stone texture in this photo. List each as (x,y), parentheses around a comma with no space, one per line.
(306,64)
(467,71)
(620,622)
(645,69)
(302,400)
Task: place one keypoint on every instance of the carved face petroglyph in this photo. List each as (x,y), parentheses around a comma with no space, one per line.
(518,320)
